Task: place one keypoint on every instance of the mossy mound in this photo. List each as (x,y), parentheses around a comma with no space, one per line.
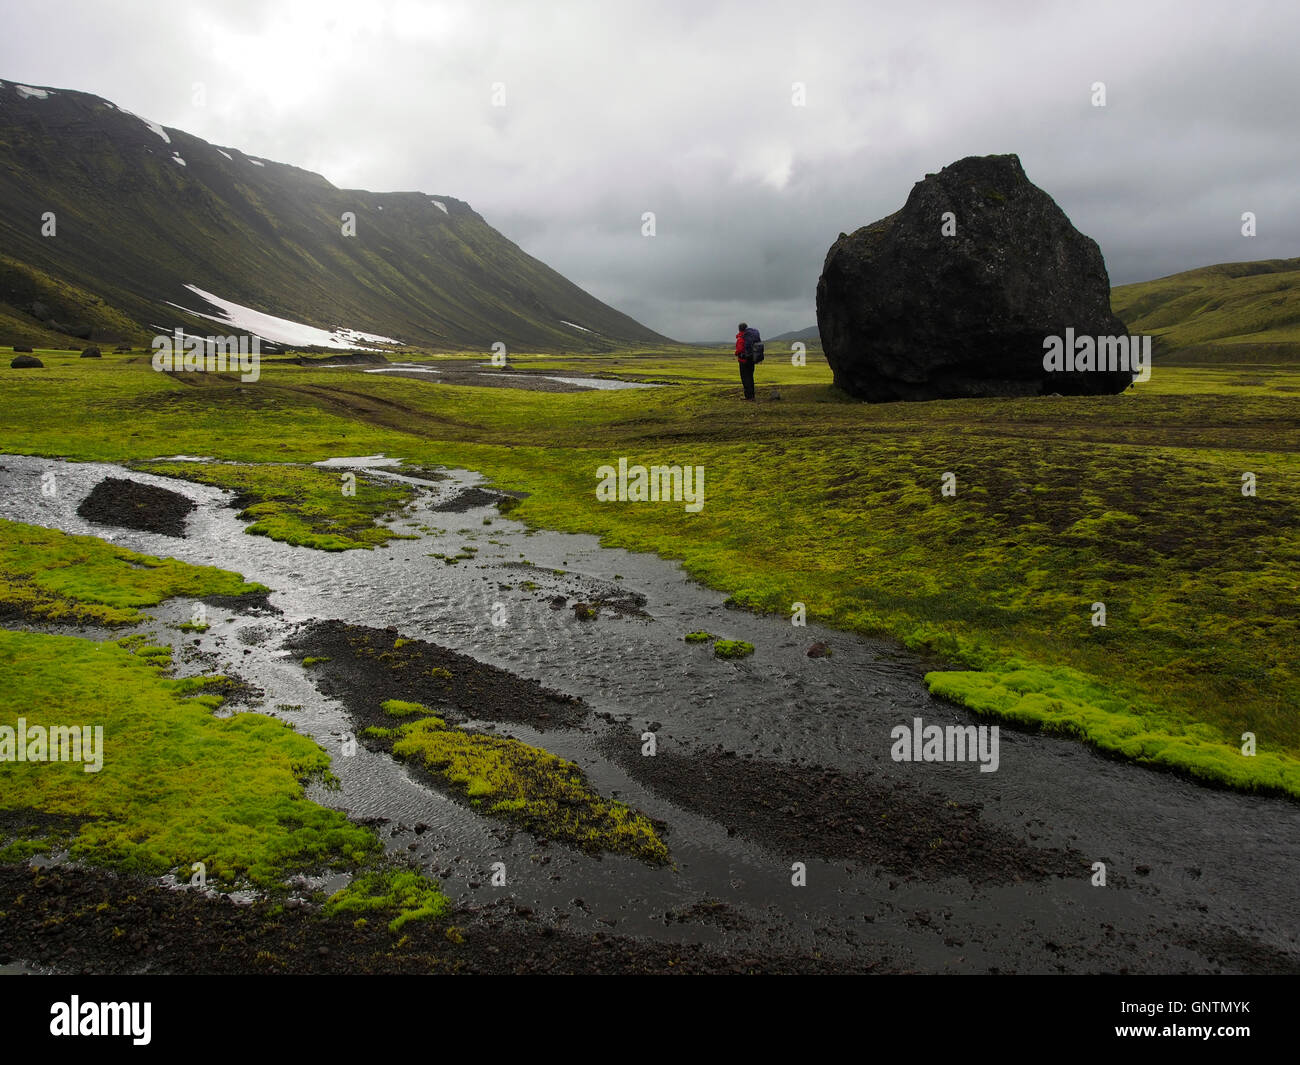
(539,791)
(302,505)
(46,575)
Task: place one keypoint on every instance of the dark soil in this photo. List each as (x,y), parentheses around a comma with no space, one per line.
(84,921)
(823,813)
(364,669)
(250,603)
(468,500)
(132,505)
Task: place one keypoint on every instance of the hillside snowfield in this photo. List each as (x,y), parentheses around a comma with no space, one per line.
(281,330)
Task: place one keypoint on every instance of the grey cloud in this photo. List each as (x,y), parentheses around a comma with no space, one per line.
(684,108)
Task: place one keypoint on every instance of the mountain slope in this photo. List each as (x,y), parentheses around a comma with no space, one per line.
(809,334)
(1231,312)
(142,211)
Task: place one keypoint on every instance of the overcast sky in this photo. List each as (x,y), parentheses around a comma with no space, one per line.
(687,109)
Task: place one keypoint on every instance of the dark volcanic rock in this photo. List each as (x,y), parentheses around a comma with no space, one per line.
(25,362)
(906,312)
(132,505)
(91,353)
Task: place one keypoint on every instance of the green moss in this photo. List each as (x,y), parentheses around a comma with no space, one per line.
(46,575)
(403,893)
(699,637)
(1134,500)
(733,649)
(311,660)
(398,708)
(1063,701)
(379,732)
(302,505)
(537,790)
(177,785)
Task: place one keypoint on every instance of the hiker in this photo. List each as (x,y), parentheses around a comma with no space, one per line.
(749,350)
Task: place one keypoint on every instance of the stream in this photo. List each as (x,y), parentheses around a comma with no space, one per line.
(1199,879)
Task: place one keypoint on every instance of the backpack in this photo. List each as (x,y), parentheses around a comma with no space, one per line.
(754,344)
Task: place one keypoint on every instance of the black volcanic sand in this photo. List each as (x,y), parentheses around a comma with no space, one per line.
(79,920)
(469,499)
(132,505)
(365,668)
(824,813)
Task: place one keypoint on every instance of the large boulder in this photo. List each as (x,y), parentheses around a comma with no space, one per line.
(26,362)
(907,311)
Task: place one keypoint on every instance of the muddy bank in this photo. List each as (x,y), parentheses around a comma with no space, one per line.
(816,812)
(362,667)
(132,505)
(83,921)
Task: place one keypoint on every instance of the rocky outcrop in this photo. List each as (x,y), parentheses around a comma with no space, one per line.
(958,293)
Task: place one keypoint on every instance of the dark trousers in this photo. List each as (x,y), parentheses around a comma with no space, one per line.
(747,377)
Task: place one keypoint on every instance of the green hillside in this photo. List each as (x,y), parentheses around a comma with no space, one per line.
(1229,313)
(141,211)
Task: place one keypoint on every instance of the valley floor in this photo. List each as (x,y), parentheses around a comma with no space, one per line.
(499,682)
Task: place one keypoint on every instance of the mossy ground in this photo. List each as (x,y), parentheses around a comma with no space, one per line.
(48,576)
(177,785)
(1131,500)
(403,893)
(533,788)
(302,505)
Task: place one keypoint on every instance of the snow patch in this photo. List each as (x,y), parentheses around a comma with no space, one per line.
(25,91)
(256,162)
(282,330)
(577,326)
(227,156)
(176,158)
(152,126)
(440,205)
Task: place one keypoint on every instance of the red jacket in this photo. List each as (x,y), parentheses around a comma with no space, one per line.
(740,347)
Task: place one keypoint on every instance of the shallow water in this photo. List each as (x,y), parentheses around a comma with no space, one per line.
(1215,859)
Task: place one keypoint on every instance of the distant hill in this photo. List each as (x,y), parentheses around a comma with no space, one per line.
(809,334)
(141,212)
(1232,312)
